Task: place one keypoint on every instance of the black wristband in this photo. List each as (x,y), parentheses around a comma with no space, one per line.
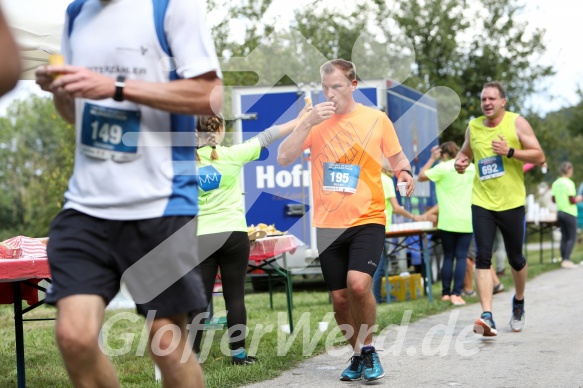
(120,83)
(407,171)
(510,153)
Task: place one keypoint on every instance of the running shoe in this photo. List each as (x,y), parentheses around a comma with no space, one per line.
(372,370)
(518,318)
(354,370)
(457,300)
(485,325)
(247,360)
(568,264)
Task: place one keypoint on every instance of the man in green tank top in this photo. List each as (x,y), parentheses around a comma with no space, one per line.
(499,143)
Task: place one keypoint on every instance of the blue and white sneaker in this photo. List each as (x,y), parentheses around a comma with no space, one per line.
(354,370)
(518,317)
(485,325)
(372,370)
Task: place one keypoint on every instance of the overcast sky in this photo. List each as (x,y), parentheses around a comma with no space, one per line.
(562,20)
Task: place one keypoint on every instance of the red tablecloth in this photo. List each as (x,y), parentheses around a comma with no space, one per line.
(22,269)
(268,247)
(12,270)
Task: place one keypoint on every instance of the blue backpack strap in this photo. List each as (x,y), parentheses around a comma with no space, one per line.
(73,11)
(160,7)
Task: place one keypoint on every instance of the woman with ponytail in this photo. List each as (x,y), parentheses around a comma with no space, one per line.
(222,228)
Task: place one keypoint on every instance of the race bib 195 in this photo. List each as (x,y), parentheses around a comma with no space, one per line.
(341,177)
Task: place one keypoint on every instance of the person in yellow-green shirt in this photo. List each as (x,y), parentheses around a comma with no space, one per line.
(391,206)
(454,197)
(499,143)
(566,198)
(223,241)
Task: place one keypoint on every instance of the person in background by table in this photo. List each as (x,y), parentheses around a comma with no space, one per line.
(499,142)
(499,254)
(566,198)
(454,197)
(222,228)
(131,203)
(346,141)
(10,65)
(391,205)
(468,289)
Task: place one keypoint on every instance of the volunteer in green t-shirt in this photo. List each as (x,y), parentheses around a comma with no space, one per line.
(454,197)
(222,228)
(391,205)
(566,198)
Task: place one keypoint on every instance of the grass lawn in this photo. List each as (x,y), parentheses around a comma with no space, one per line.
(277,351)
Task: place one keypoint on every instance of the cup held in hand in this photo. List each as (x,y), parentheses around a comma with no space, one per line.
(402,186)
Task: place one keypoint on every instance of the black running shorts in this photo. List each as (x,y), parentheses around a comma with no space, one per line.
(88,255)
(357,248)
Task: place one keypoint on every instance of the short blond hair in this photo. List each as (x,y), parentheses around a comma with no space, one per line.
(346,67)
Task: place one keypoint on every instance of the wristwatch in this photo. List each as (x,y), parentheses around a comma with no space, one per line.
(120,83)
(510,152)
(407,171)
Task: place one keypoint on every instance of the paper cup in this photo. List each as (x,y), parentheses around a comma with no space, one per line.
(402,186)
(322,326)
(308,100)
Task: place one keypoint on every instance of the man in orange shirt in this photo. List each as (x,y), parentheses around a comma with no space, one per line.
(346,141)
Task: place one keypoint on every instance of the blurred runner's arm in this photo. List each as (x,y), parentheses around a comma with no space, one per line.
(10,65)
(185,96)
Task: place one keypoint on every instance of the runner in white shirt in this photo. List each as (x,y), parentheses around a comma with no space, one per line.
(134,182)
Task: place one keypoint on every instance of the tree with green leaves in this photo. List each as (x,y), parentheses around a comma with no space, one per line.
(36,152)
(459,44)
(560,141)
